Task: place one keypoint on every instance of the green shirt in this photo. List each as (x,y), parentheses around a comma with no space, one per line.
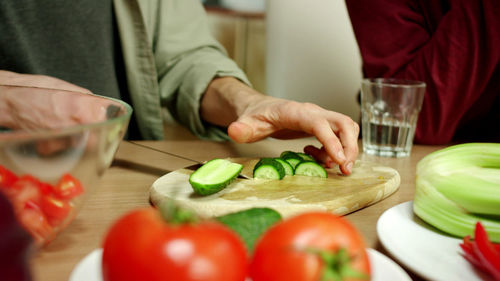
(170,58)
(73,41)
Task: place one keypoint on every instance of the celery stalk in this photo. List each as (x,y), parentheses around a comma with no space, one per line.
(458,186)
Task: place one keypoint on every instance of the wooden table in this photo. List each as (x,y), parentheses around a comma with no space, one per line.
(126,183)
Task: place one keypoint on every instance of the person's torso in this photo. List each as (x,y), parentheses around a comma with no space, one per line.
(481,121)
(76,41)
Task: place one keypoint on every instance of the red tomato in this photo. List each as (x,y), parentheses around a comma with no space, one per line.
(39,205)
(7,178)
(45,188)
(36,223)
(24,190)
(141,246)
(290,250)
(68,187)
(55,209)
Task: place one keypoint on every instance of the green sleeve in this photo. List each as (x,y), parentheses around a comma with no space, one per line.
(187,59)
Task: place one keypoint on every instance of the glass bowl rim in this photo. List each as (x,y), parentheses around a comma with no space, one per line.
(44,133)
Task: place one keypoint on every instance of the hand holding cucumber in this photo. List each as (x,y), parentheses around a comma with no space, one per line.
(252,116)
(287,119)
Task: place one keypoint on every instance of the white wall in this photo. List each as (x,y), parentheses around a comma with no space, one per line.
(312,54)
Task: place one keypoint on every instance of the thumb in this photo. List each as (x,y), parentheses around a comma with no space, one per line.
(240,132)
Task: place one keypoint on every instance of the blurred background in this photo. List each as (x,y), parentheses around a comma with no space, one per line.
(304,50)
(296,49)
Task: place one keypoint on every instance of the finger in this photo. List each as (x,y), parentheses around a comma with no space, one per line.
(348,133)
(330,142)
(314,120)
(247,130)
(239,132)
(319,155)
(242,132)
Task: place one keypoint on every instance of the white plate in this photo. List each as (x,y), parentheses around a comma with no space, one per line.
(383,268)
(422,248)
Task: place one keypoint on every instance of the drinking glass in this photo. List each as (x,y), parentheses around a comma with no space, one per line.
(389,113)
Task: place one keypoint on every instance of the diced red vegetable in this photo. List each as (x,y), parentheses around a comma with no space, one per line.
(7,178)
(36,223)
(23,190)
(46,188)
(481,252)
(39,206)
(56,209)
(68,187)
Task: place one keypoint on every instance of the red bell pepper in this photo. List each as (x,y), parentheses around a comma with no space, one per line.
(482,253)
(468,248)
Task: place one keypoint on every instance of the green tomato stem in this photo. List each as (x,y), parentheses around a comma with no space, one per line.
(337,265)
(174,214)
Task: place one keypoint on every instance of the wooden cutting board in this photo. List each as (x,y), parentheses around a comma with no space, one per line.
(369,183)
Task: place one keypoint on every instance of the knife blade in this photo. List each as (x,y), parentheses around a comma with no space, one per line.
(193,167)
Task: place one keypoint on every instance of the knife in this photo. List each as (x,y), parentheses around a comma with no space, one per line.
(193,167)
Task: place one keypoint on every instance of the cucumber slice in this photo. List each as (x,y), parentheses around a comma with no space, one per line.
(310,168)
(289,154)
(291,157)
(268,168)
(306,156)
(288,168)
(214,176)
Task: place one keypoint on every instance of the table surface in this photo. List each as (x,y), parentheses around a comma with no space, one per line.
(125,186)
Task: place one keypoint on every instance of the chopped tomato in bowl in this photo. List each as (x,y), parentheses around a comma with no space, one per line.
(42,208)
(54,146)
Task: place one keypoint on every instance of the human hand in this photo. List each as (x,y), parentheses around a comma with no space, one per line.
(286,119)
(39,81)
(252,116)
(37,101)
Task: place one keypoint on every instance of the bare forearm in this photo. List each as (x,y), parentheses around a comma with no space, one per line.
(225,100)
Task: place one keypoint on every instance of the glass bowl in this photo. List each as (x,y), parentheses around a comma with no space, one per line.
(54,146)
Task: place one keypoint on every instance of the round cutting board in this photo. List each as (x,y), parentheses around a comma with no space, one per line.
(340,194)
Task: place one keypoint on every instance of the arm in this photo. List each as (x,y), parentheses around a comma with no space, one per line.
(37,101)
(456,57)
(205,90)
(252,116)
(187,59)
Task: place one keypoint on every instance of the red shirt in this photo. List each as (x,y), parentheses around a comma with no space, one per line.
(451,45)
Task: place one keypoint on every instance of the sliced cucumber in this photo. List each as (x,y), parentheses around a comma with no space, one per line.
(291,157)
(214,176)
(310,168)
(306,156)
(288,168)
(289,154)
(268,168)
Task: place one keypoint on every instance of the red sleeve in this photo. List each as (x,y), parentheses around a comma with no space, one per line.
(455,53)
